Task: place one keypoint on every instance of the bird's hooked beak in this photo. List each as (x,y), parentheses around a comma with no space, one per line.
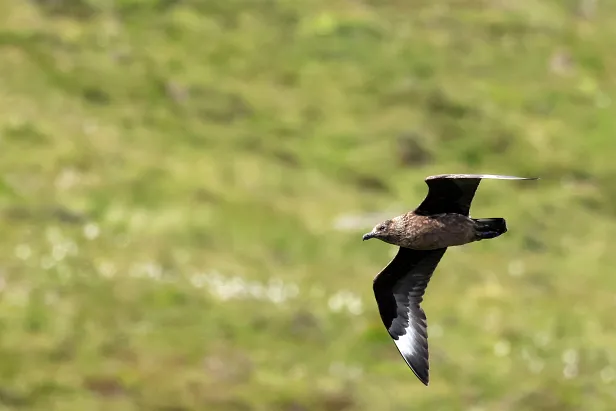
(368,236)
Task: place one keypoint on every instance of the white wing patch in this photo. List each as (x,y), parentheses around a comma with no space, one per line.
(406,342)
(479,176)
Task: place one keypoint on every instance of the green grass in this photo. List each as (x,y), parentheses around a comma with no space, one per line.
(173,175)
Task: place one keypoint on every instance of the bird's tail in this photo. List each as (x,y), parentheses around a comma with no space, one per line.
(486,228)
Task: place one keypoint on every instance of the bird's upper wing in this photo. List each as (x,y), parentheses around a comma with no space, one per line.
(453,193)
(399,290)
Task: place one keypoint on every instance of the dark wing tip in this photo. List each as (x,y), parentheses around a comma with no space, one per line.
(477,176)
(420,368)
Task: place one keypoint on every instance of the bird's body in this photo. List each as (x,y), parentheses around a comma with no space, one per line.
(421,232)
(442,220)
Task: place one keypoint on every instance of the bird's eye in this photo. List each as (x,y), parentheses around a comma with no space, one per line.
(382,227)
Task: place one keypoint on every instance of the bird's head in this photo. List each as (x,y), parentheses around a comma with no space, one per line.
(386,231)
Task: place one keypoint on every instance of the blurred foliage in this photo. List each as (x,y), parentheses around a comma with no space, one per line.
(182,185)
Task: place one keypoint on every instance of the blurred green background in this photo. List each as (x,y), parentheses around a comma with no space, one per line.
(184,185)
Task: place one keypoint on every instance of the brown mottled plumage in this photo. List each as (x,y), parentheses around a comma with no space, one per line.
(442,220)
(420,232)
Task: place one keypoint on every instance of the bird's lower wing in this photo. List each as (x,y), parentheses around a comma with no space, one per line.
(399,291)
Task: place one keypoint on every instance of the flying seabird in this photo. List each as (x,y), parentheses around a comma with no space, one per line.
(442,220)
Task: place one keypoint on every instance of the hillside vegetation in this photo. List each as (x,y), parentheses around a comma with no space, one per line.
(184,185)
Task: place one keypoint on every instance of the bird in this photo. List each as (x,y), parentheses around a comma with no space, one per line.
(423,235)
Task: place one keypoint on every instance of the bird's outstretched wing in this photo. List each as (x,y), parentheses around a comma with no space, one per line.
(453,193)
(399,290)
